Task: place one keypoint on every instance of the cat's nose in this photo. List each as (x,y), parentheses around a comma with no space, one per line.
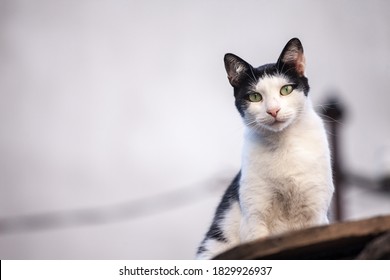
(273,112)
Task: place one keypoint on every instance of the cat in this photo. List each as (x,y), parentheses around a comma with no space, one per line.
(285,182)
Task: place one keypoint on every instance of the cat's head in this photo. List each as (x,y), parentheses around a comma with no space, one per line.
(270,97)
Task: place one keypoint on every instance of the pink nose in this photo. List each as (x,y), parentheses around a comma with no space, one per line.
(273,112)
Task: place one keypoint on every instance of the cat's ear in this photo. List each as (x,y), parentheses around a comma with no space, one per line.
(236,69)
(292,56)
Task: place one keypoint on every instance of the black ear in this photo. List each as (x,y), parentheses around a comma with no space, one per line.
(236,69)
(292,56)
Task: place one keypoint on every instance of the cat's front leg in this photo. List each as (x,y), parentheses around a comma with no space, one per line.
(254,206)
(252,228)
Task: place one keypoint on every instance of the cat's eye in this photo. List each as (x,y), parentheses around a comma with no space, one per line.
(255,97)
(286,90)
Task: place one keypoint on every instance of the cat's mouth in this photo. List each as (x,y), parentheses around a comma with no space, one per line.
(278,120)
(270,122)
(278,124)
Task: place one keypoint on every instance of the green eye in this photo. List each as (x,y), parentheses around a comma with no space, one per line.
(286,90)
(254,97)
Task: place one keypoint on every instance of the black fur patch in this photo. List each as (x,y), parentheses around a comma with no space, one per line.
(253,75)
(230,196)
(201,249)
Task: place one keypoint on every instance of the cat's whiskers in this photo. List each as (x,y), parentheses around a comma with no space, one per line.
(254,125)
(328,119)
(251,123)
(325,106)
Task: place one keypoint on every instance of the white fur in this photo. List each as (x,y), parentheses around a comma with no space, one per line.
(239,69)
(286,177)
(284,161)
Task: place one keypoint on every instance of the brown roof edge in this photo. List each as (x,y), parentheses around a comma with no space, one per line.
(343,240)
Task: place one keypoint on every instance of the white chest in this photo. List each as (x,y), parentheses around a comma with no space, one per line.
(288,177)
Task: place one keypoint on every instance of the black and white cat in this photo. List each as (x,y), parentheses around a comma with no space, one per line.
(285,182)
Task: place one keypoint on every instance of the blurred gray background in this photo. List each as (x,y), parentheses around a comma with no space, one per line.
(118,132)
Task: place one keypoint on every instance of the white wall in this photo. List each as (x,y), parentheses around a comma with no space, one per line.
(106,102)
